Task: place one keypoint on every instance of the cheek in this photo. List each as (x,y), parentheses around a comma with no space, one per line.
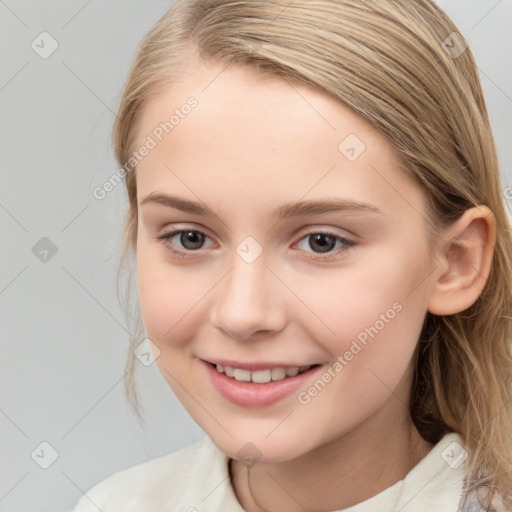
(167,301)
(371,315)
(376,315)
(166,298)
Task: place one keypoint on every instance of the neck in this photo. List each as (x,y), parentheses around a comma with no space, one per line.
(339,474)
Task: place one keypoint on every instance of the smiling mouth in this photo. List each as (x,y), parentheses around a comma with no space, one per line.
(262,376)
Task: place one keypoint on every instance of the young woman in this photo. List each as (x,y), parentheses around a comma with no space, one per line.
(323,262)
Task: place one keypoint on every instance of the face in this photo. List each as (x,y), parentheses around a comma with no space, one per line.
(241,264)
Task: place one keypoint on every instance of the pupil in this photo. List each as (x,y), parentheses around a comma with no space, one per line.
(324,247)
(192,237)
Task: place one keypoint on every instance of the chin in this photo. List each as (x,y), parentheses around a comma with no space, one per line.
(260,449)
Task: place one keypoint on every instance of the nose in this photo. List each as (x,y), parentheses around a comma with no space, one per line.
(250,299)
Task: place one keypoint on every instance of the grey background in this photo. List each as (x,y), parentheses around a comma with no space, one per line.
(63,338)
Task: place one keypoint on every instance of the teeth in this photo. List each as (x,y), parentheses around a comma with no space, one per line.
(291,372)
(261,376)
(278,373)
(242,375)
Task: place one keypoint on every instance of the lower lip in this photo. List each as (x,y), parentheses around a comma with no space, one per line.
(252,394)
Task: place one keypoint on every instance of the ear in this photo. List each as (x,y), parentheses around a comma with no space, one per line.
(464,262)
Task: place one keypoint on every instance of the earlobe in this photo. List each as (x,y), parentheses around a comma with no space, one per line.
(465,262)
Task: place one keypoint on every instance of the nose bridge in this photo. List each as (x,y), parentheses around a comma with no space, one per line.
(247,301)
(247,282)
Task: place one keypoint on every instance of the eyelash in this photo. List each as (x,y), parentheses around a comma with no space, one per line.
(349,244)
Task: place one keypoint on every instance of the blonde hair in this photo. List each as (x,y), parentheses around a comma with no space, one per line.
(391,62)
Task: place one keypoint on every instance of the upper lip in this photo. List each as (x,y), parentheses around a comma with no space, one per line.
(255,365)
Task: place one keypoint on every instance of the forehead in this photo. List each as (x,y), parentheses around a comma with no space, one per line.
(260,135)
(248,106)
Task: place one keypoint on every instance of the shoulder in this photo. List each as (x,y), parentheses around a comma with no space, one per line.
(155,483)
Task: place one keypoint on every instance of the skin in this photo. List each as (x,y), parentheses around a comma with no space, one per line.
(252,143)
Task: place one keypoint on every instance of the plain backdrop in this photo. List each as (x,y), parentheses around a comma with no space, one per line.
(63,337)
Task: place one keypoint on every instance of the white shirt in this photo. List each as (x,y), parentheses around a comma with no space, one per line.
(196,479)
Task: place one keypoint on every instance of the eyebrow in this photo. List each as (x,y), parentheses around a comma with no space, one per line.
(284,211)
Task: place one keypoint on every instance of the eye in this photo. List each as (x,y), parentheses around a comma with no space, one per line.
(190,239)
(324,242)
